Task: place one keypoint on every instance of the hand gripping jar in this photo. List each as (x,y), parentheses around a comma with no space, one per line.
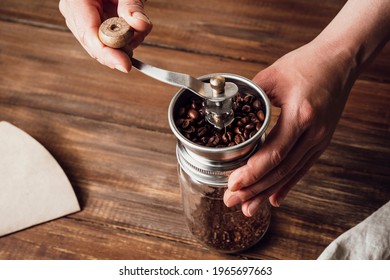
(203,175)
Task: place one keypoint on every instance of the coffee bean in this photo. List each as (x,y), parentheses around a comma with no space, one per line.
(258,126)
(201,131)
(227,137)
(193,114)
(245,120)
(181,111)
(214,140)
(237,130)
(179,122)
(201,122)
(248,99)
(257,105)
(186,123)
(250,126)
(189,129)
(238,139)
(246,108)
(217,139)
(260,115)
(231,144)
(253,132)
(196,104)
(204,140)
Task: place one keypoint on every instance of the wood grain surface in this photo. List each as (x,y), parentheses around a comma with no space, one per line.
(109,131)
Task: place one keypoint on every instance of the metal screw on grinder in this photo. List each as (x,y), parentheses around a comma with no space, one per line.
(219,113)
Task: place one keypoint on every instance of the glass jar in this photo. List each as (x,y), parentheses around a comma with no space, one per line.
(203,175)
(216,226)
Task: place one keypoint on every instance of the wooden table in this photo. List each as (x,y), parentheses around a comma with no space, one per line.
(109,131)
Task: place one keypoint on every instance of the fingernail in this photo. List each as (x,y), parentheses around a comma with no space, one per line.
(141,16)
(253,207)
(233,200)
(121,68)
(279,201)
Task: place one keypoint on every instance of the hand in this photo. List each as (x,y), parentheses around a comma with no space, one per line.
(311,88)
(83,18)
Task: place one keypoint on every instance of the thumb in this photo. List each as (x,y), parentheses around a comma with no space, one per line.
(133,12)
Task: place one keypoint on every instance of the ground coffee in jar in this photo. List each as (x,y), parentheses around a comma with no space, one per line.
(206,155)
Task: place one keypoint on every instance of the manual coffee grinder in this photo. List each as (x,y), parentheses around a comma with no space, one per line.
(219,121)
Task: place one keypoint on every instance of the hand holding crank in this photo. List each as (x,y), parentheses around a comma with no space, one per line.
(85,16)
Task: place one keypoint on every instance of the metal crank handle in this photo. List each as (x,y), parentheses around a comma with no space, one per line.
(116,33)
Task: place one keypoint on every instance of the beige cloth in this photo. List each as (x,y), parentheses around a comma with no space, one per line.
(33,187)
(369,240)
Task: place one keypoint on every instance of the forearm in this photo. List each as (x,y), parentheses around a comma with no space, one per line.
(357,33)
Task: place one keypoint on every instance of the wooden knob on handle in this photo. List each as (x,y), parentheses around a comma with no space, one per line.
(115,33)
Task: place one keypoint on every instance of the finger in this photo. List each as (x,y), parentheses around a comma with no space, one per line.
(134,14)
(84,21)
(276,147)
(278,197)
(305,147)
(294,165)
(278,192)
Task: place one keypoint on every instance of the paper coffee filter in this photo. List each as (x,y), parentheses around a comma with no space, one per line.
(33,187)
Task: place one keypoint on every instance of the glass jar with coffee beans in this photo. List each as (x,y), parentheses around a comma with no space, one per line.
(207,155)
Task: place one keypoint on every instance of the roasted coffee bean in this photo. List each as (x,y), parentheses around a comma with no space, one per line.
(246,134)
(250,126)
(246,108)
(260,115)
(186,123)
(237,130)
(181,111)
(214,140)
(187,135)
(245,120)
(196,104)
(238,139)
(189,129)
(231,144)
(179,122)
(204,140)
(258,126)
(201,131)
(201,122)
(257,105)
(217,139)
(248,99)
(227,137)
(202,112)
(193,114)
(240,123)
